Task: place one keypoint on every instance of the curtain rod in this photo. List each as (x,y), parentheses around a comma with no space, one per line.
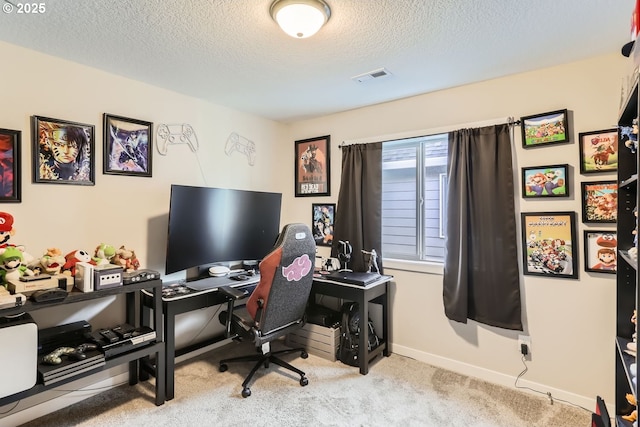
(434,131)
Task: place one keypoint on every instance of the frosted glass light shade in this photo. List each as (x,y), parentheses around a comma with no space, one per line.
(300,18)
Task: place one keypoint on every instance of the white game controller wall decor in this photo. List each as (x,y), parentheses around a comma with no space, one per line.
(174,135)
(242,145)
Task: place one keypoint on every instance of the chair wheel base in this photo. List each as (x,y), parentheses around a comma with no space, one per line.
(304,381)
(223,367)
(246,392)
(304,354)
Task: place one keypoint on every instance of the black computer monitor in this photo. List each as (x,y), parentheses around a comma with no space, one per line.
(210,226)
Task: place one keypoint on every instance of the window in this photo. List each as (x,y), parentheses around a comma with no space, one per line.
(414,198)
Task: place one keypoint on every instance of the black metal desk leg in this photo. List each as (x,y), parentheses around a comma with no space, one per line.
(385,320)
(170,356)
(130,317)
(363,351)
(160,378)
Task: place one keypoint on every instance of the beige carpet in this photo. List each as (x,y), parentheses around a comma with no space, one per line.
(398,391)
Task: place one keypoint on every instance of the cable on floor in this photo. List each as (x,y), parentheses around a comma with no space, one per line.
(548,394)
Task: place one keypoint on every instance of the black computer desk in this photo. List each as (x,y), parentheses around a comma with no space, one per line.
(375,292)
(194,300)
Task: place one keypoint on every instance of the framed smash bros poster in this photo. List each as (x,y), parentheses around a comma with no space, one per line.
(312,167)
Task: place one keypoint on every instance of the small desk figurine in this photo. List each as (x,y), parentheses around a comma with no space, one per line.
(629,135)
(373,260)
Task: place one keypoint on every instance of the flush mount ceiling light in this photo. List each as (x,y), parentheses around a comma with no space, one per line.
(300,18)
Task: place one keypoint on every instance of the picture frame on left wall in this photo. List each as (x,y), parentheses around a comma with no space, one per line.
(128,146)
(10,166)
(63,151)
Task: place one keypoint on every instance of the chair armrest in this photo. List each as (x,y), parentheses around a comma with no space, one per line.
(233,293)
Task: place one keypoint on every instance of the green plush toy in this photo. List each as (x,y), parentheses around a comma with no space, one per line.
(103,254)
(11,267)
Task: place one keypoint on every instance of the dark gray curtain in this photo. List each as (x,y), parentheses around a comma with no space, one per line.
(481,274)
(358,217)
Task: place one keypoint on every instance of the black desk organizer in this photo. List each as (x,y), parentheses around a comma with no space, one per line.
(140,366)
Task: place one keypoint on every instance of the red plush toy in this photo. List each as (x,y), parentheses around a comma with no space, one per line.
(73,258)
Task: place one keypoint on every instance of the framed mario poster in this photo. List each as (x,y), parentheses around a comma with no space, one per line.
(545,181)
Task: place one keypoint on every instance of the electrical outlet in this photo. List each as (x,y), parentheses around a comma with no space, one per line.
(526,341)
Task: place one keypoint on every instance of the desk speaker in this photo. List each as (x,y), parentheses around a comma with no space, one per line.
(19,355)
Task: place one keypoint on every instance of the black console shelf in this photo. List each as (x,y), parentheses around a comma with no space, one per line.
(138,359)
(627,278)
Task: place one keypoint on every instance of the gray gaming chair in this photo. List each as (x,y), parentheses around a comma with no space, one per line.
(277,304)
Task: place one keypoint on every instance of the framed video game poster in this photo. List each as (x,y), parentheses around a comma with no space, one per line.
(545,129)
(598,151)
(545,181)
(600,251)
(313,167)
(600,201)
(549,240)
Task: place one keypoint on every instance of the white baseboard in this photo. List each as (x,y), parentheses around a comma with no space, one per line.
(494,377)
(61,401)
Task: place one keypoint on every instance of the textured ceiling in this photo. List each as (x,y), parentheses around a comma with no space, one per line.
(230,52)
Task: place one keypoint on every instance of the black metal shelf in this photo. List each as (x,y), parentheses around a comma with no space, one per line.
(136,358)
(627,296)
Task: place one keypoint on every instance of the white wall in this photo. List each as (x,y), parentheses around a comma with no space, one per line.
(119,210)
(571,322)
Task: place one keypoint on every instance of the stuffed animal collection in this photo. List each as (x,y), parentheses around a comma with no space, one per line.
(16,262)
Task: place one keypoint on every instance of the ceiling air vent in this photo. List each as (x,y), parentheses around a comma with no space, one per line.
(375,74)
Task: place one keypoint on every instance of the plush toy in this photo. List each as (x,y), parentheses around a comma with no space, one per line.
(633,416)
(126,259)
(6,229)
(72,258)
(52,261)
(11,267)
(103,254)
(6,232)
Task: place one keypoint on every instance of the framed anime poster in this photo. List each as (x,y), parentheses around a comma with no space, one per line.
(322,223)
(600,251)
(127,146)
(545,129)
(600,201)
(63,151)
(312,167)
(549,240)
(545,181)
(10,173)
(598,151)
